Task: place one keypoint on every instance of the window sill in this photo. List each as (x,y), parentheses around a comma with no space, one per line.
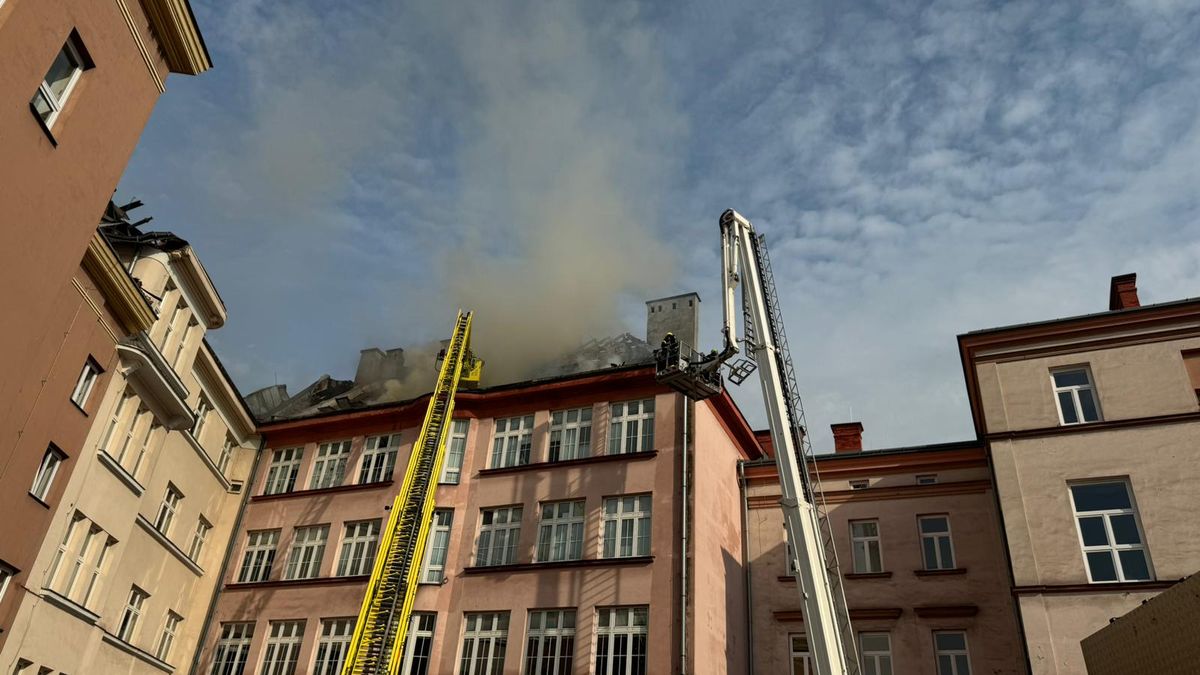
(119,471)
(70,606)
(80,409)
(594,459)
(322,491)
(868,575)
(137,652)
(38,500)
(940,573)
(1097,587)
(562,564)
(298,583)
(42,123)
(169,545)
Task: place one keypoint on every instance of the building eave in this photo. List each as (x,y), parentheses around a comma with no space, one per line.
(123,298)
(174,25)
(223,393)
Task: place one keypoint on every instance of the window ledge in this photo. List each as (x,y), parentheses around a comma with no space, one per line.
(119,471)
(80,408)
(169,545)
(1097,587)
(868,575)
(137,652)
(322,491)
(70,606)
(212,467)
(594,459)
(940,573)
(38,499)
(561,564)
(298,583)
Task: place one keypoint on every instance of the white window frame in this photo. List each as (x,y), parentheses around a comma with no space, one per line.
(627,523)
(612,622)
(1112,548)
(284,469)
(329,470)
(282,650)
(258,557)
(512,441)
(232,650)
(1073,392)
(167,638)
(80,558)
(203,407)
(485,642)
(226,454)
(803,653)
(498,541)
(127,629)
(333,645)
(437,548)
(456,450)
(57,103)
(308,551)
(7,572)
(87,380)
(188,329)
(418,644)
(379,459)
(199,537)
(865,542)
(631,432)
(952,653)
(560,531)
(168,509)
(938,562)
(360,542)
(550,650)
(875,661)
(43,480)
(570,434)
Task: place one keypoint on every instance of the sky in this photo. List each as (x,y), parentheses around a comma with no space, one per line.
(352,173)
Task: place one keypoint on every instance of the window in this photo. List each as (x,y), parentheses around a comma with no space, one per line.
(570,434)
(283,648)
(632,427)
(418,644)
(551,643)
(498,535)
(285,464)
(951,648)
(801,658)
(130,447)
(170,629)
(621,640)
(379,459)
(304,562)
(876,651)
(259,556)
(864,545)
(59,82)
(226,454)
(125,407)
(452,466)
(333,646)
(358,548)
(133,612)
(44,477)
(627,526)
(233,648)
(330,467)
(512,441)
(172,326)
(485,639)
(79,561)
(168,509)
(1109,532)
(177,360)
(860,484)
(7,572)
(927,479)
(1076,396)
(435,551)
(87,379)
(199,536)
(935,542)
(560,534)
(203,407)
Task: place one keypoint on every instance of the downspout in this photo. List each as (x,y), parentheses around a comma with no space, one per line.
(237,526)
(746,566)
(683,548)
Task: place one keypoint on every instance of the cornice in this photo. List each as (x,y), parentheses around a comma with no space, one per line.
(875,494)
(179,36)
(567,463)
(121,295)
(865,464)
(223,394)
(197,288)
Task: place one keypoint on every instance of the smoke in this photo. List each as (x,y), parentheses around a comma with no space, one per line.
(562,171)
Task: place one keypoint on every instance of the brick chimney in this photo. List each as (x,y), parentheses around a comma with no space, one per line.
(1122,293)
(847,437)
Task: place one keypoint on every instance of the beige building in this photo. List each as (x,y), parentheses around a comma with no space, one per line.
(1091,423)
(124,579)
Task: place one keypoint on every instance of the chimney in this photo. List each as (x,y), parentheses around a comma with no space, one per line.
(678,314)
(376,365)
(1122,293)
(847,437)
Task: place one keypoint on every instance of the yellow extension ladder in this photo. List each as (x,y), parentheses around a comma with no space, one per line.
(377,647)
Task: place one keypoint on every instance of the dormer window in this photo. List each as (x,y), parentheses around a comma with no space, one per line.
(1076,395)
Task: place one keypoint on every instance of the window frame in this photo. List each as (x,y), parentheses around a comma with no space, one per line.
(226,453)
(866,540)
(555,544)
(258,556)
(74,48)
(606,656)
(168,509)
(132,614)
(203,408)
(43,479)
(936,537)
(617,518)
(7,574)
(418,630)
(329,465)
(642,421)
(87,381)
(1112,548)
(876,656)
(561,637)
(432,547)
(511,447)
(495,635)
(308,542)
(166,638)
(281,649)
(1074,390)
(283,470)
(565,445)
(374,453)
(805,655)
(232,650)
(938,652)
(511,527)
(359,548)
(456,451)
(333,644)
(199,538)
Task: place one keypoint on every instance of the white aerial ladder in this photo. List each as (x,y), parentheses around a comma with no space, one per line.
(745,262)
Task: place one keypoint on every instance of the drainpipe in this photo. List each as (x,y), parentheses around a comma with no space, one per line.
(746,566)
(683,548)
(237,526)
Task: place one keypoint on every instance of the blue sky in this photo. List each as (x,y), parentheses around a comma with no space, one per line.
(351,173)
